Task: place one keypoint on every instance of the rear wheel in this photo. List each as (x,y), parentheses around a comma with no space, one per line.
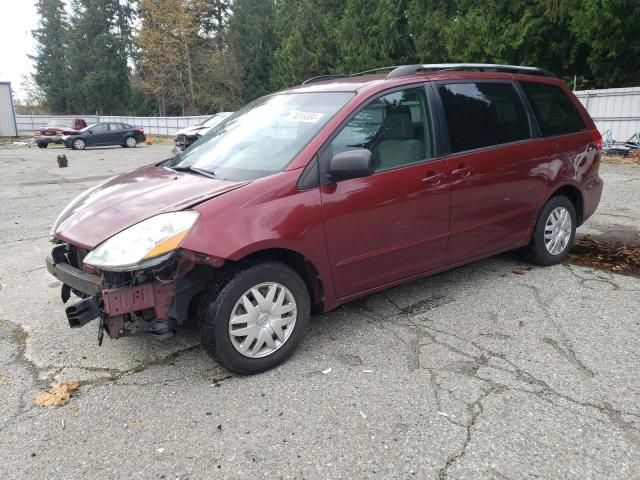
(255,320)
(43,144)
(554,232)
(79,144)
(130,142)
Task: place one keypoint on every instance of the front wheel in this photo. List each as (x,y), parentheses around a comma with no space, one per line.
(43,144)
(130,142)
(554,232)
(78,144)
(255,320)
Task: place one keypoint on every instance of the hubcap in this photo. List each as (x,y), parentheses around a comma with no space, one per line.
(262,320)
(557,231)
(79,144)
(131,142)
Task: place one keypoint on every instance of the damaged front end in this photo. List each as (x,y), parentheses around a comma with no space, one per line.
(150,300)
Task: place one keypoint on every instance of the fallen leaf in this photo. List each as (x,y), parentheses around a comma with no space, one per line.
(58,394)
(4,382)
(519,271)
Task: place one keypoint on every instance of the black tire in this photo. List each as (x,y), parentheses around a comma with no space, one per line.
(536,251)
(43,144)
(130,142)
(220,299)
(78,144)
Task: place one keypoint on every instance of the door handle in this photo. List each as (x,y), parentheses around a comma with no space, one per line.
(461,172)
(433,178)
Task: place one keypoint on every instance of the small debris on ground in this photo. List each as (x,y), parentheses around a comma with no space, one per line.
(57,395)
(367,371)
(363,415)
(159,450)
(3,381)
(443,414)
(521,270)
(328,370)
(617,257)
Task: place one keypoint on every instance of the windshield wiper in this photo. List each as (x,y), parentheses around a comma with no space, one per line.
(191,168)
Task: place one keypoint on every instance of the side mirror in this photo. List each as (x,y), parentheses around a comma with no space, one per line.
(91,132)
(351,164)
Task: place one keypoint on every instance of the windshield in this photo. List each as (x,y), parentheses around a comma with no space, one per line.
(60,122)
(215,119)
(88,127)
(264,136)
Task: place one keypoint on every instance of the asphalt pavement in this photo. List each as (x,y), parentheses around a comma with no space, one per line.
(475,373)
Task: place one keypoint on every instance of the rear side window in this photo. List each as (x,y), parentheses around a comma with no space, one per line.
(556,113)
(483,114)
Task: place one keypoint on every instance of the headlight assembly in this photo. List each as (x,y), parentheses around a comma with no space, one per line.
(144,244)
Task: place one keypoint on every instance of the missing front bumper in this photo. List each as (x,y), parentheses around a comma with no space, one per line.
(127,309)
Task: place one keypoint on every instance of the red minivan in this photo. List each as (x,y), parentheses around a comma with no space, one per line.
(326,192)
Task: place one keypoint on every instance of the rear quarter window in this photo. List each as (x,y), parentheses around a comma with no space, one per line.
(554,110)
(482,114)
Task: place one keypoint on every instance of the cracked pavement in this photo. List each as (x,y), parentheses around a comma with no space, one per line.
(474,373)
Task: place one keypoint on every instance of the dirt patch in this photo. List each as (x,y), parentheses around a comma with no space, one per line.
(614,257)
(631,159)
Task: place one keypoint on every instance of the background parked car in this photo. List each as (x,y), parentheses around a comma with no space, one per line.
(187,136)
(105,133)
(53,131)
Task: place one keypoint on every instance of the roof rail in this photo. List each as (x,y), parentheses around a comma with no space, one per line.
(321,78)
(374,70)
(483,67)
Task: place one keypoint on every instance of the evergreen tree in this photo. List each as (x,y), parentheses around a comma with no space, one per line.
(99,47)
(251,39)
(51,75)
(305,33)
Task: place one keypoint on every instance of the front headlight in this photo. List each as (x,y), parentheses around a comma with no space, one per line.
(145,244)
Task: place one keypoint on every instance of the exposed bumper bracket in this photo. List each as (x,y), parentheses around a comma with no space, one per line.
(74,277)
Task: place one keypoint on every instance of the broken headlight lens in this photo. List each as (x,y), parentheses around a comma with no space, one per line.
(145,244)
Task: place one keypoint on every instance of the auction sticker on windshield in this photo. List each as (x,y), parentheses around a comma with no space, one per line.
(310,117)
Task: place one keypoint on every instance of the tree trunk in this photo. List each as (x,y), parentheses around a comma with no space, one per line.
(191,99)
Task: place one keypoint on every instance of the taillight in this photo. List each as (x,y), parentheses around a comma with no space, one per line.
(59,133)
(36,133)
(596,138)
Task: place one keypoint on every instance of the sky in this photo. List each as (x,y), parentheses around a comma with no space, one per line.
(17,19)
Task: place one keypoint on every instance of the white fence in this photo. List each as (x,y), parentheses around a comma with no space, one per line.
(617,109)
(153,125)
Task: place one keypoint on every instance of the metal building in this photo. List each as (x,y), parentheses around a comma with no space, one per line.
(8,126)
(615,109)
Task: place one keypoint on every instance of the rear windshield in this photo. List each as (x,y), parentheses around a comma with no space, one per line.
(555,112)
(263,137)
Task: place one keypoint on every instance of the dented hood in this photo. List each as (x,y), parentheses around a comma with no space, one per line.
(124,200)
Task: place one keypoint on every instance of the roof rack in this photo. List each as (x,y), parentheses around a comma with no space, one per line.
(374,70)
(322,78)
(405,70)
(483,67)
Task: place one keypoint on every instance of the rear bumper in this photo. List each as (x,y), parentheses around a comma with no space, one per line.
(48,139)
(592,194)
